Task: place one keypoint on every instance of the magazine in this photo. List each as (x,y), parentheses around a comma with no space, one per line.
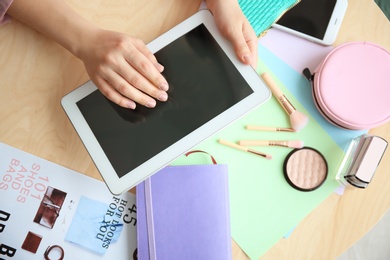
(51,212)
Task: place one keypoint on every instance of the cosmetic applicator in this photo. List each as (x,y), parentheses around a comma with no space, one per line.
(289,144)
(297,119)
(269,128)
(245,149)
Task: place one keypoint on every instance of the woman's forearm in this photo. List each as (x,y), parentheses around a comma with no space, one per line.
(55,19)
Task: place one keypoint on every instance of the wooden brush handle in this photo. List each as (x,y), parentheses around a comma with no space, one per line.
(254,142)
(284,102)
(272,85)
(233,145)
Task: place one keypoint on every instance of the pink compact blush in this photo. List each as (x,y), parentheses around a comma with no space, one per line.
(351,87)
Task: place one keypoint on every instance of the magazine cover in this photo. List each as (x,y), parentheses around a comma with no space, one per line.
(50,212)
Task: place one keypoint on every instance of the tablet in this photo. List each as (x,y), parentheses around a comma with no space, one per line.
(209,89)
(315,20)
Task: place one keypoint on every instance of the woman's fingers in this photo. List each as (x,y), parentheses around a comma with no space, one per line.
(125,71)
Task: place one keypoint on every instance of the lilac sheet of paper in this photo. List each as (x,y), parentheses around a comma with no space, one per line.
(298,53)
(191,215)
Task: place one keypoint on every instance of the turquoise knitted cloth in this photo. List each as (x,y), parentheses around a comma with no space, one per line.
(261,14)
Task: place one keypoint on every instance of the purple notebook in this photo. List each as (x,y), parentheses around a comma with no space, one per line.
(183,213)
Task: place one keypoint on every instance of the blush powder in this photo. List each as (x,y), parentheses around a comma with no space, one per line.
(305,169)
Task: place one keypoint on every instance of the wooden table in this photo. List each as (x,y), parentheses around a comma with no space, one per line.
(35,73)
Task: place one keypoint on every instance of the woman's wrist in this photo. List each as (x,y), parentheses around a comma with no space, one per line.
(81,38)
(213,5)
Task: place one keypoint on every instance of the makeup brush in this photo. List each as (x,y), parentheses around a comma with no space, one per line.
(245,149)
(290,144)
(269,128)
(297,119)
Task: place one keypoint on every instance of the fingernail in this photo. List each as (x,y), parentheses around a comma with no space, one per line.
(131,105)
(151,103)
(164,86)
(163,96)
(159,67)
(247,58)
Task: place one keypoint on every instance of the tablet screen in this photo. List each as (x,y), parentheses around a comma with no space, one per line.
(203,83)
(310,17)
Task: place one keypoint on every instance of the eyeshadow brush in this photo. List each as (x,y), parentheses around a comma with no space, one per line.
(298,120)
(245,149)
(289,144)
(269,128)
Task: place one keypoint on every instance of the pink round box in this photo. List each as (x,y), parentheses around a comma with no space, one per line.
(351,87)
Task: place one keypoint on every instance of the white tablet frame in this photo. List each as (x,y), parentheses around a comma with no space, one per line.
(332,29)
(117,185)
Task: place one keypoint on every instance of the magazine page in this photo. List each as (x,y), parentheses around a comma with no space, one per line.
(50,212)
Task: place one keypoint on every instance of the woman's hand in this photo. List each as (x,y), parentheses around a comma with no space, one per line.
(123,69)
(233,24)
